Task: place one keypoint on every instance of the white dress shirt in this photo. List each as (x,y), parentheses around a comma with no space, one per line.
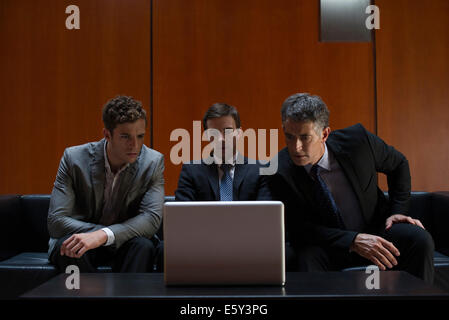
(231,171)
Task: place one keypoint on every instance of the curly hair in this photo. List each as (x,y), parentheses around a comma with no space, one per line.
(122,109)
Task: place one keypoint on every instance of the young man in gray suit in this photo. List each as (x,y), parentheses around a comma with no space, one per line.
(106,204)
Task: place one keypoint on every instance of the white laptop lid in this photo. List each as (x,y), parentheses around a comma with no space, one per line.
(224,242)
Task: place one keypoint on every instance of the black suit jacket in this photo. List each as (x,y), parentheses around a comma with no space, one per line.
(199,182)
(361,155)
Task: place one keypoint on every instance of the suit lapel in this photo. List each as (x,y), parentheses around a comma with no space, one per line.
(345,162)
(97,171)
(212,176)
(239,174)
(299,181)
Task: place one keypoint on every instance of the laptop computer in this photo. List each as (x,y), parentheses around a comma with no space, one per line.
(224,243)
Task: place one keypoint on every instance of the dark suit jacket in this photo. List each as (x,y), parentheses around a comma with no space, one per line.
(361,155)
(199,182)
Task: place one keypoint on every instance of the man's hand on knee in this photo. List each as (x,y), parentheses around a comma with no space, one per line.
(78,244)
(376,249)
(400,218)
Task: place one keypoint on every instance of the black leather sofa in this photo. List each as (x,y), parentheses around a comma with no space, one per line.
(24,244)
(24,239)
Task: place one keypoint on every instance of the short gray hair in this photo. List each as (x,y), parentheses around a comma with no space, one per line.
(305,107)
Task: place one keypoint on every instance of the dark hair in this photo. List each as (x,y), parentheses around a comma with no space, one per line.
(305,107)
(218,110)
(122,109)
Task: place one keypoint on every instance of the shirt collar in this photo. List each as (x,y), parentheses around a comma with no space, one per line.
(234,160)
(323,162)
(106,161)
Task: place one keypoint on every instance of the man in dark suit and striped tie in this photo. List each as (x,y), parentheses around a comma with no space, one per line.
(335,214)
(228,177)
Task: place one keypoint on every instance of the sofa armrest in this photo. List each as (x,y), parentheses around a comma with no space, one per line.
(34,212)
(10,224)
(440,216)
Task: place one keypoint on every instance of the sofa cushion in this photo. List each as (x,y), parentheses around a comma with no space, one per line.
(421,208)
(36,261)
(31,260)
(24,272)
(440,259)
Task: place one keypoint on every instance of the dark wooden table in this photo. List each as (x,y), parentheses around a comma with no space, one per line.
(328,285)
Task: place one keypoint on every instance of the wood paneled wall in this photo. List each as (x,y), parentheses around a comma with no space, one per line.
(54,81)
(251,54)
(412,49)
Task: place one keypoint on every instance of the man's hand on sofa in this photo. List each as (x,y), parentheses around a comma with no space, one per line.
(78,244)
(376,249)
(400,218)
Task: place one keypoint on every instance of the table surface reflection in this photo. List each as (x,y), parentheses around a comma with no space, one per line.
(313,285)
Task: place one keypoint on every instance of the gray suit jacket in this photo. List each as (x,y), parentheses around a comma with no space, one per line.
(76,203)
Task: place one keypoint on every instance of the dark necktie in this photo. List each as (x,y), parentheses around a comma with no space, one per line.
(325,200)
(226,183)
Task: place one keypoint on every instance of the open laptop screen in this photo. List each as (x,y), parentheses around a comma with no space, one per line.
(220,242)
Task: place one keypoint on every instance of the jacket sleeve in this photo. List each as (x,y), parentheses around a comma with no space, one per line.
(186,190)
(264,190)
(315,234)
(63,218)
(148,220)
(395,166)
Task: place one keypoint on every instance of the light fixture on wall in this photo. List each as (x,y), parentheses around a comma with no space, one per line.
(344,21)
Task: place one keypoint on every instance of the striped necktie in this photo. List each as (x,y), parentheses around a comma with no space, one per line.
(324,199)
(226,183)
